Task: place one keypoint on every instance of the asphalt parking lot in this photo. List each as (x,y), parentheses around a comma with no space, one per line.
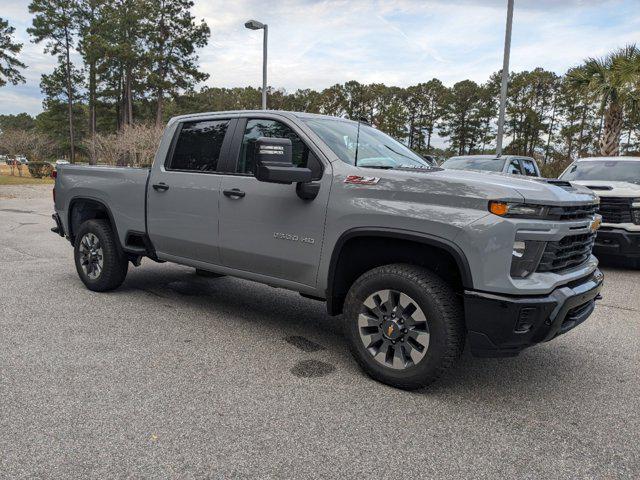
(176,376)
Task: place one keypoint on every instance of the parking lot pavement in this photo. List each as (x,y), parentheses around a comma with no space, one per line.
(174,375)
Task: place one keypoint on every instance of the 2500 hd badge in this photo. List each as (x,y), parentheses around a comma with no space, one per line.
(293,238)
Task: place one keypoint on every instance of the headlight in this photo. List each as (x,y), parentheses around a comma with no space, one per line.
(525,257)
(517,210)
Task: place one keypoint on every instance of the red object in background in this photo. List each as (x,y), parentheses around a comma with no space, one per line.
(54,174)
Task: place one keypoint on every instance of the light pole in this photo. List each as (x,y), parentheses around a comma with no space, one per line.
(255,25)
(505,78)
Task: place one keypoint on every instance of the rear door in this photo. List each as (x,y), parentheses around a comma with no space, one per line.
(266,228)
(183,193)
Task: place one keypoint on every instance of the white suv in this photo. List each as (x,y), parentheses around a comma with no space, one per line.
(616,180)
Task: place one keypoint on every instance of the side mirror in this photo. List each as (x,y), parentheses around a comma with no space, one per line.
(274,164)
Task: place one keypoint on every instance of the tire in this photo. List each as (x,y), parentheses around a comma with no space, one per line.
(207,274)
(417,293)
(114,264)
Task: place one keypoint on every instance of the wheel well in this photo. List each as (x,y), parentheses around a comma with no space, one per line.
(82,210)
(362,253)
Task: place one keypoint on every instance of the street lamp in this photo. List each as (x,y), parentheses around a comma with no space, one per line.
(505,78)
(255,25)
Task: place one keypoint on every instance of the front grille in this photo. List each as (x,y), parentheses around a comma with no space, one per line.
(569,252)
(577,212)
(615,210)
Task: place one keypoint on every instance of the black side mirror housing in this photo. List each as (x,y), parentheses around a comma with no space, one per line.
(274,163)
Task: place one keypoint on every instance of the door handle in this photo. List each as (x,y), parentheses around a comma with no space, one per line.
(234,192)
(160,187)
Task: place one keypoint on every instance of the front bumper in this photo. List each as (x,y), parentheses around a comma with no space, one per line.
(617,242)
(501,326)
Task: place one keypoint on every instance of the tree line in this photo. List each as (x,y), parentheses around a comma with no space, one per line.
(138,66)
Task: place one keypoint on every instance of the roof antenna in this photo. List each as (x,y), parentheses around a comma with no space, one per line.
(355,161)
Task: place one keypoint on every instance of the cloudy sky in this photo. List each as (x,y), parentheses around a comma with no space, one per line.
(315,44)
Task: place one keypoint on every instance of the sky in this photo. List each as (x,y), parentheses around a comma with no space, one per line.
(316,44)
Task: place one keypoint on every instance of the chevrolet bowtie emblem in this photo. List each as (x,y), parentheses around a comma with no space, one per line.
(389,330)
(595,223)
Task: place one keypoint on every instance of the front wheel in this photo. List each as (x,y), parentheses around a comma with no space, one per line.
(405,325)
(100,262)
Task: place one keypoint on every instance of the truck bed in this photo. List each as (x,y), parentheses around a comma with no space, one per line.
(122,190)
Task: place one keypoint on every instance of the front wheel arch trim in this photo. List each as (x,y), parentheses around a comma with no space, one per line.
(447,245)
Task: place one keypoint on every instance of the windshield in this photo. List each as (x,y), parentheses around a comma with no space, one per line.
(474,163)
(375,149)
(606,170)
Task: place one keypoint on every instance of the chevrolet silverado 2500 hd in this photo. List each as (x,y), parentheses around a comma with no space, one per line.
(418,259)
(616,180)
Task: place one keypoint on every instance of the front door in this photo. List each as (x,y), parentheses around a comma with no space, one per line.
(266,228)
(183,194)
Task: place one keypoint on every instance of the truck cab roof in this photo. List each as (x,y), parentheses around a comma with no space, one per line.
(243,113)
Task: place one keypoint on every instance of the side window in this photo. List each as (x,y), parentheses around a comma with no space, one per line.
(199,145)
(257,128)
(529,168)
(514,168)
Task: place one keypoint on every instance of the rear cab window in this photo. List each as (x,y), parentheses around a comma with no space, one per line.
(199,146)
(514,167)
(529,167)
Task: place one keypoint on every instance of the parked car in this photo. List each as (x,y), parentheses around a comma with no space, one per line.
(62,161)
(512,164)
(5,159)
(22,159)
(418,259)
(616,180)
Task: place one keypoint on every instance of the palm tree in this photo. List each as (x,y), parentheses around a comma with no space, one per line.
(612,80)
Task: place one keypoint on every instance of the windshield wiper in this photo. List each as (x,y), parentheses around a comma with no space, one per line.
(398,153)
(421,167)
(379,167)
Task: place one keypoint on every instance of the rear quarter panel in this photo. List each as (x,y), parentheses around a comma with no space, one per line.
(121,189)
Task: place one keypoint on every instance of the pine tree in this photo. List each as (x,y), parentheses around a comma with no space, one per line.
(55,23)
(425,103)
(123,65)
(173,37)
(9,65)
(460,120)
(90,46)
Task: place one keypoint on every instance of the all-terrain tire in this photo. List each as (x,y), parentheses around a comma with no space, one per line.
(442,309)
(114,262)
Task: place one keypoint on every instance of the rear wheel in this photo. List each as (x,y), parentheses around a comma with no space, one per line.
(405,325)
(100,263)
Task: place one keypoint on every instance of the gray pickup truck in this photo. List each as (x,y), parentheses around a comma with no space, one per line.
(419,260)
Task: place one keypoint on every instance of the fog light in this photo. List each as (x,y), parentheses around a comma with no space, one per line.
(519,248)
(525,257)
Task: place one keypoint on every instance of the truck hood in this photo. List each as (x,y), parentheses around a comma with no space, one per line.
(529,189)
(610,189)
